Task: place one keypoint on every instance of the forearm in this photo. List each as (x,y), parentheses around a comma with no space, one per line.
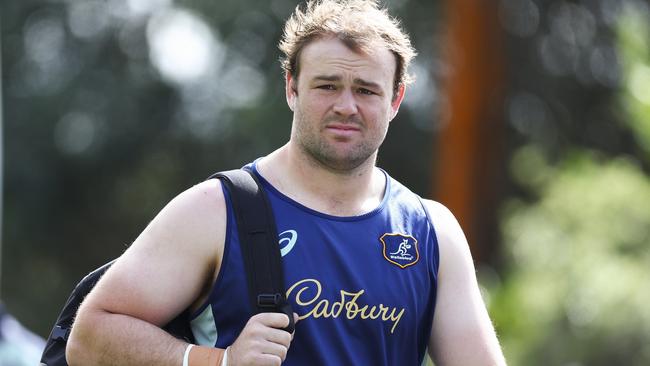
(101,338)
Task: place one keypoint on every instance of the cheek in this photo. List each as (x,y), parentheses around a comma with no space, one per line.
(315,108)
(381,114)
(313,104)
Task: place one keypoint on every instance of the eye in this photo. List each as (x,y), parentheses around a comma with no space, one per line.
(326,87)
(365,91)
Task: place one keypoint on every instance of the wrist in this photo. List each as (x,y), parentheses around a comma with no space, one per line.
(204,356)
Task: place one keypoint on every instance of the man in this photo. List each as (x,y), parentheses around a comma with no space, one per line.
(366,260)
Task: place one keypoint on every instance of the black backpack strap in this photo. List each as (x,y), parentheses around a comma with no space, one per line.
(258,238)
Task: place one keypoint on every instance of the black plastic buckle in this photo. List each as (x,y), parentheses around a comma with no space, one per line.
(269,300)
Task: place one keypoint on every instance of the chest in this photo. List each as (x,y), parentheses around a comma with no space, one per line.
(373,270)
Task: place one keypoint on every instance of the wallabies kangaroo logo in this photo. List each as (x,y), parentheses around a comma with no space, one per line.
(399,249)
(402,251)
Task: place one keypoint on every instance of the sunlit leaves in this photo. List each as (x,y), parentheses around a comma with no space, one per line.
(633,33)
(579,286)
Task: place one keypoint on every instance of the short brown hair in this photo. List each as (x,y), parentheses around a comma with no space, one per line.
(360,24)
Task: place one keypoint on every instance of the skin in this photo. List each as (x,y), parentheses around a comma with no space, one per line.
(462,333)
(345,106)
(343,103)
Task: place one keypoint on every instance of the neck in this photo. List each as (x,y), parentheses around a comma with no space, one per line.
(336,192)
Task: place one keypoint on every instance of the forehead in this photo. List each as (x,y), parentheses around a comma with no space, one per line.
(330,56)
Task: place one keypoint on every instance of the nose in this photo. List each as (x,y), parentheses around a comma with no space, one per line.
(345,104)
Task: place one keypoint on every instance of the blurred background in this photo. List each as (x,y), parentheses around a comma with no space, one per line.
(530,119)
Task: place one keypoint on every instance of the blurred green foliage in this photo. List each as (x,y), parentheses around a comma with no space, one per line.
(634,45)
(578,285)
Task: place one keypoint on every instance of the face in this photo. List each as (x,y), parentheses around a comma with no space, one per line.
(343,102)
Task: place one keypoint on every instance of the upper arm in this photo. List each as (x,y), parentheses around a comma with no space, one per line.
(462,333)
(170,263)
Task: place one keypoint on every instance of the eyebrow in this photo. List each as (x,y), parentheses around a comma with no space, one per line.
(327,78)
(357,81)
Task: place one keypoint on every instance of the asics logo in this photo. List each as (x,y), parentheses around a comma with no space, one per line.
(287,241)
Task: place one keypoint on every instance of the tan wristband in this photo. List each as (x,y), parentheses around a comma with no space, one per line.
(205,356)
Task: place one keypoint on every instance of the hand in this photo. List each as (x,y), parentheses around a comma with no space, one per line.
(262,341)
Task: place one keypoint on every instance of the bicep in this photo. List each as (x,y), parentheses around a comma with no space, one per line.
(462,333)
(167,266)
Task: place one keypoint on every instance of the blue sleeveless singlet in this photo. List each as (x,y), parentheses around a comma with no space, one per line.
(363,286)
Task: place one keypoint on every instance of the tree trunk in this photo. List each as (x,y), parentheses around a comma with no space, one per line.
(469,160)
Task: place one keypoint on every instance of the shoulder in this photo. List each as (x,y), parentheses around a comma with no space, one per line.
(441,216)
(199,203)
(197,215)
(451,238)
(205,196)
(194,221)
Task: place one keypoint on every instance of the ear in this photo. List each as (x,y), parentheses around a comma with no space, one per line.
(290,90)
(397,100)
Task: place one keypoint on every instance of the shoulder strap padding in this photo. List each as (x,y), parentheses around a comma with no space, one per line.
(259,242)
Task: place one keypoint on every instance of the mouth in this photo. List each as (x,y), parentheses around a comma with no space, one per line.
(343,127)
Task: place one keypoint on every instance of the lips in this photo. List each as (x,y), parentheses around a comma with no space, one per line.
(342,127)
